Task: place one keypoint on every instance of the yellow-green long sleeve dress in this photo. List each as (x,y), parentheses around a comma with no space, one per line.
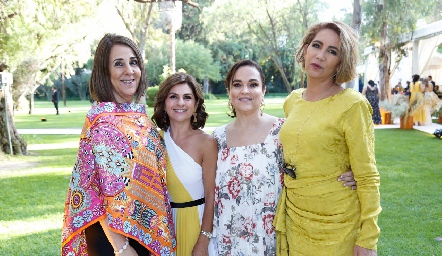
(317,215)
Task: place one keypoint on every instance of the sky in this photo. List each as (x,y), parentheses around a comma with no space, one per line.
(335,7)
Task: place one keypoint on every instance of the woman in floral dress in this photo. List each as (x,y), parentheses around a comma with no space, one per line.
(248,178)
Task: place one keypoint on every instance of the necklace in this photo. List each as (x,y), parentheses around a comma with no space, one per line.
(303,123)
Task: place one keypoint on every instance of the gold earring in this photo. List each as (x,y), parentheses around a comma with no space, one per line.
(232,109)
(195,119)
(261,107)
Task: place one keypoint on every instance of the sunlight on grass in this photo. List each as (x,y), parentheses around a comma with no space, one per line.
(12,229)
(53,146)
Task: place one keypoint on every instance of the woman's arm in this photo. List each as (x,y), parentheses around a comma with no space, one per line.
(210,155)
(364,90)
(118,241)
(359,135)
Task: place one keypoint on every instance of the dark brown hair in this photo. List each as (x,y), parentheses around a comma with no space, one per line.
(348,48)
(100,85)
(232,72)
(160,117)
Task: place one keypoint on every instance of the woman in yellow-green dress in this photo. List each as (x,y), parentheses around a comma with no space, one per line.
(328,129)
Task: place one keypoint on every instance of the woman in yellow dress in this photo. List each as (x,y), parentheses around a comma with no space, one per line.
(417,100)
(191,156)
(316,216)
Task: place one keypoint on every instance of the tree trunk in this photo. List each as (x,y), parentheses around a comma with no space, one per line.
(172,50)
(18,144)
(31,102)
(206,85)
(356,24)
(384,58)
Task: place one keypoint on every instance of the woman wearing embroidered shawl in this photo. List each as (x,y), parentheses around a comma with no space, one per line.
(315,216)
(117,202)
(191,162)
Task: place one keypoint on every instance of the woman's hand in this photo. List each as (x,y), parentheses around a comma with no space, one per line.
(201,246)
(349,180)
(360,251)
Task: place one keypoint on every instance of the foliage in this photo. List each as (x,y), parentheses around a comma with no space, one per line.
(385,22)
(398,105)
(209,96)
(151,94)
(192,57)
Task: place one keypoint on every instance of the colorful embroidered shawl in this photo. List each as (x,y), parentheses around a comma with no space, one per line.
(119,174)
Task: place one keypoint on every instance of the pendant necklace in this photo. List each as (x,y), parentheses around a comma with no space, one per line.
(302,125)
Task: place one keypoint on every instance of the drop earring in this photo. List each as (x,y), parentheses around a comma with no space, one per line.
(261,108)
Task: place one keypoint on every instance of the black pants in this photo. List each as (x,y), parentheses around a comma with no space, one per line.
(56,105)
(98,245)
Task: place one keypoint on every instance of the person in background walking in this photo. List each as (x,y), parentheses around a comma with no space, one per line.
(55,98)
(372,93)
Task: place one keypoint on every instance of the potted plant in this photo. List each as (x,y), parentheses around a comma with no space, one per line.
(400,108)
(438,111)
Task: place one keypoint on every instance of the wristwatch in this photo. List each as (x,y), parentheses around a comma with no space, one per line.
(209,235)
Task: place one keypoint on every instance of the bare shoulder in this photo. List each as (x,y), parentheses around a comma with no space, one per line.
(207,140)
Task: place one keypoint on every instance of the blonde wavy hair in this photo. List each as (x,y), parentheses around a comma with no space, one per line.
(349,53)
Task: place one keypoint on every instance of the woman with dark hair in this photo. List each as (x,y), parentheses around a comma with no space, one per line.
(372,93)
(191,162)
(117,202)
(315,216)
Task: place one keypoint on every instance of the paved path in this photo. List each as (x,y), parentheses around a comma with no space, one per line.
(428,129)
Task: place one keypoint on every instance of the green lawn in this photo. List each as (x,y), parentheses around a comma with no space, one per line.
(34,188)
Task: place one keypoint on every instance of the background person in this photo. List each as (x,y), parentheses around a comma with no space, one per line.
(249,178)
(55,98)
(429,102)
(117,201)
(191,162)
(315,216)
(373,94)
(417,100)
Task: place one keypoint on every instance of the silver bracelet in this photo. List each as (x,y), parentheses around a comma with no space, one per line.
(209,235)
(124,247)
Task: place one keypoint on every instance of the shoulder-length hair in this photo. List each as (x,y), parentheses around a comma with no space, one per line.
(232,72)
(100,85)
(349,54)
(160,117)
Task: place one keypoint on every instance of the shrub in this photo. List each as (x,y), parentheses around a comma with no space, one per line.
(151,94)
(209,96)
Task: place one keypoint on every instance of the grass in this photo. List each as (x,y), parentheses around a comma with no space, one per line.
(34,189)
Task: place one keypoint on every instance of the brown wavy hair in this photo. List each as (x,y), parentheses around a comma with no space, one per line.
(349,54)
(100,85)
(160,117)
(231,74)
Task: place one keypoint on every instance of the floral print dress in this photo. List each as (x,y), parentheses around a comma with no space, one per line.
(248,184)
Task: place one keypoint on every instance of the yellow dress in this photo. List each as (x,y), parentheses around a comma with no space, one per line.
(417,102)
(317,215)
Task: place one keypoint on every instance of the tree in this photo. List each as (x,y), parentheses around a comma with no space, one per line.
(35,36)
(274,25)
(384,22)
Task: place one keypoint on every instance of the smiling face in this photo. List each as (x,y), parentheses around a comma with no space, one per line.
(246,90)
(180,103)
(322,55)
(125,73)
